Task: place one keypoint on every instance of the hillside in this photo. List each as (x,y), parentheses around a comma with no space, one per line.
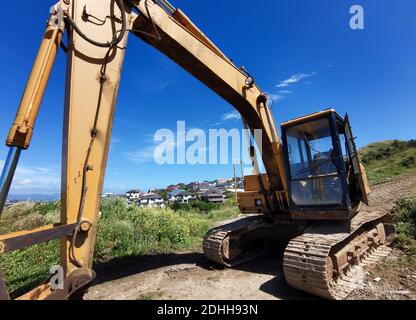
(389,158)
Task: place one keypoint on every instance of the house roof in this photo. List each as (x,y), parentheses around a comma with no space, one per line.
(212,192)
(185,193)
(175,192)
(134,191)
(152,196)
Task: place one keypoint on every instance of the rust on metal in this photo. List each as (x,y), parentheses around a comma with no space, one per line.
(22,239)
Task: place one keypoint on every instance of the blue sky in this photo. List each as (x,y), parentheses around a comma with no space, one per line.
(370,73)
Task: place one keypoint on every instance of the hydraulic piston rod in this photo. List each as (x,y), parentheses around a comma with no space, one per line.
(7,175)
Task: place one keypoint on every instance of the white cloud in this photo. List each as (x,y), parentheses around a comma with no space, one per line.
(152,152)
(115,140)
(231,116)
(294,79)
(36,179)
(141,156)
(276,97)
(280,95)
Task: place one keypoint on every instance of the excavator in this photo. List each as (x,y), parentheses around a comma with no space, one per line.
(310,195)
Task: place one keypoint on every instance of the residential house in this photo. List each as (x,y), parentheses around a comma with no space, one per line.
(134,195)
(107,195)
(224,181)
(173,194)
(193,186)
(172,187)
(206,185)
(213,196)
(151,200)
(181,196)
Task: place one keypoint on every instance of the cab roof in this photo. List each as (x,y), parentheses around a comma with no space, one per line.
(310,117)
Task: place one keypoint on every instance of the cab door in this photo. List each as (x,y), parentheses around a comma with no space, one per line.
(357,168)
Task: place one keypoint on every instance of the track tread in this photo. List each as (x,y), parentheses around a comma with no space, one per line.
(214,239)
(307,260)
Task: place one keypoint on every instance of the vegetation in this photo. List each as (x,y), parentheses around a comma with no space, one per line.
(123,231)
(201,206)
(24,268)
(386,159)
(404,214)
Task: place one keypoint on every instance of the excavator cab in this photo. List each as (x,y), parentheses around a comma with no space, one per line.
(325,178)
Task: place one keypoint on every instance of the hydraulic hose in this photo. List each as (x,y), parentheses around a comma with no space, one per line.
(116,39)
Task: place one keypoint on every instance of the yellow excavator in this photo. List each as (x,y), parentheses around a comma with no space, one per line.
(309,196)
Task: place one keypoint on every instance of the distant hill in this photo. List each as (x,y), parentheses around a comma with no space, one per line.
(389,158)
(34,197)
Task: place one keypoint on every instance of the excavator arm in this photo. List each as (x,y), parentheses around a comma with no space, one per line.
(97,32)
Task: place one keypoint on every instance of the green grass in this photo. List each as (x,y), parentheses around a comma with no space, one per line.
(122,231)
(149,296)
(404,215)
(24,268)
(387,159)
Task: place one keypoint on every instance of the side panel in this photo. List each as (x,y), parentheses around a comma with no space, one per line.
(81,108)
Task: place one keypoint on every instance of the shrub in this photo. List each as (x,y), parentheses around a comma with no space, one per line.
(200,206)
(409,161)
(381,152)
(404,215)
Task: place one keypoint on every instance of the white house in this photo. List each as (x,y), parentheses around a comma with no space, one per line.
(107,195)
(151,200)
(181,196)
(133,195)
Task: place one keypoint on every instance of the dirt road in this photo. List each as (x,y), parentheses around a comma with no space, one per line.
(188,275)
